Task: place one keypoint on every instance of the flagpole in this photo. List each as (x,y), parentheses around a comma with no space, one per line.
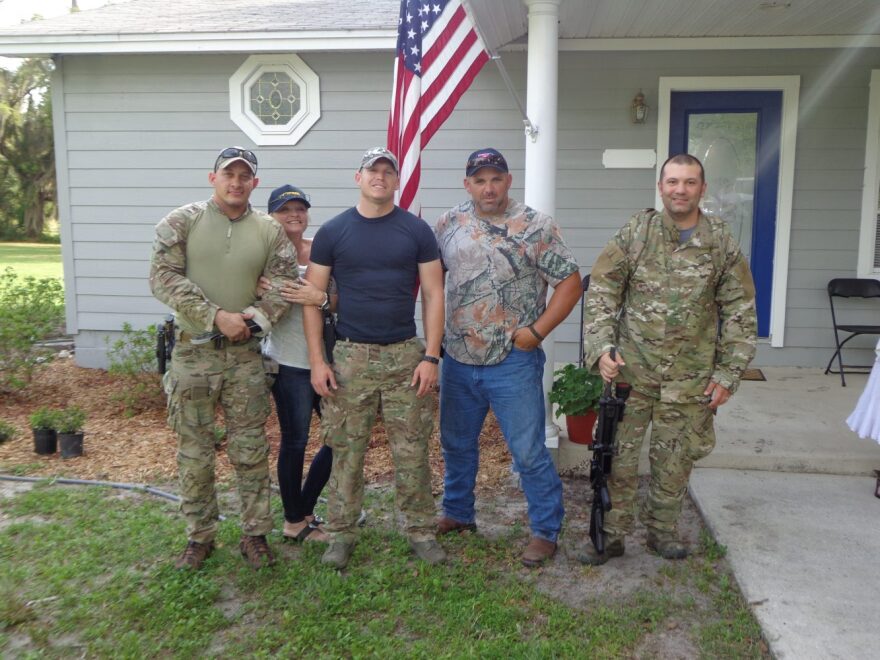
(531,129)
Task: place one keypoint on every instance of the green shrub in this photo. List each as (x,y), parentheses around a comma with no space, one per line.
(7,431)
(31,311)
(43,418)
(70,420)
(575,390)
(133,358)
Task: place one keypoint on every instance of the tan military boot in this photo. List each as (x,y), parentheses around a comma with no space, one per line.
(591,557)
(338,554)
(256,551)
(194,555)
(666,545)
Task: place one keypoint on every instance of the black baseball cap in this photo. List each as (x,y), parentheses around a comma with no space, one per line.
(280,197)
(486,158)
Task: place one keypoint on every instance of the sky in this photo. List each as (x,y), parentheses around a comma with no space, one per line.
(13,12)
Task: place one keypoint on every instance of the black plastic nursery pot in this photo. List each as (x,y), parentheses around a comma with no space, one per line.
(71,444)
(45,441)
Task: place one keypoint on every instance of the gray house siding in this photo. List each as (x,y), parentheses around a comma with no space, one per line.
(142,131)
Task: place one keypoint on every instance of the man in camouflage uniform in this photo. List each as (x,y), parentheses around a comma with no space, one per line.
(206,258)
(501,257)
(376,253)
(674,293)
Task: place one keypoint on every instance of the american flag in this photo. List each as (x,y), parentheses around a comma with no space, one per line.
(439,53)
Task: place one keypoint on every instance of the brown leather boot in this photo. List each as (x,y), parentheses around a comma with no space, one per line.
(256,551)
(194,555)
(448,525)
(537,552)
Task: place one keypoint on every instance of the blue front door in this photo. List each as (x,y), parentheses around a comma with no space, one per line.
(736,135)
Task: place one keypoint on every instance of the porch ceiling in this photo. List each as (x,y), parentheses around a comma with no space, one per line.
(270,25)
(505,21)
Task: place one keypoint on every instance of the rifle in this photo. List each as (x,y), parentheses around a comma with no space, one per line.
(164,343)
(611,408)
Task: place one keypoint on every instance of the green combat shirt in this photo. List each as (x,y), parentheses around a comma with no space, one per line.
(661,303)
(203,261)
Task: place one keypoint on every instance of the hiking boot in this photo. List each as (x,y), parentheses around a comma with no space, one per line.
(448,525)
(256,551)
(667,546)
(591,557)
(429,551)
(338,554)
(537,552)
(194,555)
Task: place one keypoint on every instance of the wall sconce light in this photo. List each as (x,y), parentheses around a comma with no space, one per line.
(639,109)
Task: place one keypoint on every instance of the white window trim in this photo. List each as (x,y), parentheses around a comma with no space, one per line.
(871,185)
(239,100)
(790,88)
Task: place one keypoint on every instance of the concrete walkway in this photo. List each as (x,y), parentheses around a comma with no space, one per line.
(789,491)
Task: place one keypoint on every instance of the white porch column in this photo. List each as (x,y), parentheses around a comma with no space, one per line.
(541,108)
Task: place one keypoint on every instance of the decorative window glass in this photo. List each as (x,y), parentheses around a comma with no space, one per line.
(274,99)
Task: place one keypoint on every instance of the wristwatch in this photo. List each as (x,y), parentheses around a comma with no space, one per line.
(431,359)
(325,306)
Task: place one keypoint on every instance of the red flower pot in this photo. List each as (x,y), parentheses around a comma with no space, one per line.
(580,428)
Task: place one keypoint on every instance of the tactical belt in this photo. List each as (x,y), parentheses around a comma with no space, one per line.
(217,342)
(340,337)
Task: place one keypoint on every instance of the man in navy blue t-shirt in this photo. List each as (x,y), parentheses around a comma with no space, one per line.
(377,253)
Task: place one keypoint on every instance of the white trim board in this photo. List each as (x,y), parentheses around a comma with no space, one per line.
(790,88)
(62,183)
(371,40)
(868,226)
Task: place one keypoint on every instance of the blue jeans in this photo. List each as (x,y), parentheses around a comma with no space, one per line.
(514,391)
(294,400)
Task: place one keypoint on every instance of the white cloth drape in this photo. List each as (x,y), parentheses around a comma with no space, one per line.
(865,419)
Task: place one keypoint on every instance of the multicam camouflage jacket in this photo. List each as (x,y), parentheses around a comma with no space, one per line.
(203,262)
(681,314)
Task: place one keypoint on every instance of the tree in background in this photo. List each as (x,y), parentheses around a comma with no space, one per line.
(27,157)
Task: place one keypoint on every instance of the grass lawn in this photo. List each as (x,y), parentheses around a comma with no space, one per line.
(37,259)
(87,572)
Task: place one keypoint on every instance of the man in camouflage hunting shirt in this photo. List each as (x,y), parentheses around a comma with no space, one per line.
(674,293)
(206,258)
(500,255)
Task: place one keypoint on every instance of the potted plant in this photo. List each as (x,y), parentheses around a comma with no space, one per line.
(7,431)
(576,392)
(69,425)
(43,426)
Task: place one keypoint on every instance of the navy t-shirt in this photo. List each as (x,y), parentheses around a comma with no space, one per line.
(375,264)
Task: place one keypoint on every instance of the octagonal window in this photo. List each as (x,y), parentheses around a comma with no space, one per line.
(274,99)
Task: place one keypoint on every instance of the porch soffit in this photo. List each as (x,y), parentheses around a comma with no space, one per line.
(273,25)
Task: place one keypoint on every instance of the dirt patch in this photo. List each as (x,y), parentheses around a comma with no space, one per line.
(142,449)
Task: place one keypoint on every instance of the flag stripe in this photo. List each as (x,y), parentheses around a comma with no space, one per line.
(439,54)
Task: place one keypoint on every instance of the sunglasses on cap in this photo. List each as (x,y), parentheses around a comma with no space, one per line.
(236,152)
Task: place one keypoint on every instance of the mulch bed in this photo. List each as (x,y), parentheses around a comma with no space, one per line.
(142,449)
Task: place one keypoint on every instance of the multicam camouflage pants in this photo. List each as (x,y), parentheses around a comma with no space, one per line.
(370,375)
(201,377)
(681,434)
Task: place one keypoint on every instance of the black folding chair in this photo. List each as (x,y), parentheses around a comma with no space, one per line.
(851,287)
(585,284)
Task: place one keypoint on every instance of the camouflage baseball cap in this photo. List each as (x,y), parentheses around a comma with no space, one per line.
(378,153)
(231,154)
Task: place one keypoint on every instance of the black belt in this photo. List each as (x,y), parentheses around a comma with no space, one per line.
(340,337)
